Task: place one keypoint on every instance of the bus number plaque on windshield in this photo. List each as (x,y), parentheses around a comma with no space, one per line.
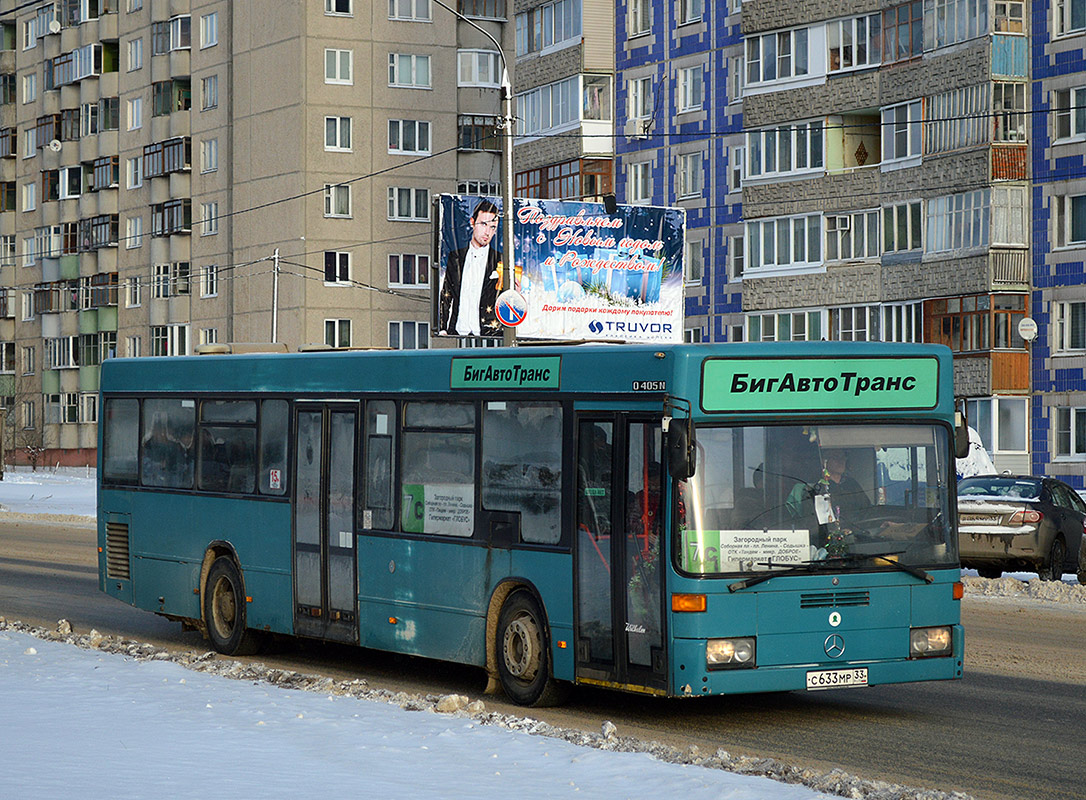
(650,386)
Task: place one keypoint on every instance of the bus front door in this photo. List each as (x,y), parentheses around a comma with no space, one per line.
(620,637)
(325,564)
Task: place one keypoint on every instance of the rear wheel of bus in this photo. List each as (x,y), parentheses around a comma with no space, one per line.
(523,656)
(224,610)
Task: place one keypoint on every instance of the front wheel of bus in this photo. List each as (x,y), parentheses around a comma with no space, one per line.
(224,610)
(523,658)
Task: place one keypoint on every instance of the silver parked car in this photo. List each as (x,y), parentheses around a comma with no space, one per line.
(1021,522)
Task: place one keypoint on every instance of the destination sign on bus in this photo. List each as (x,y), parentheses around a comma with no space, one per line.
(528,372)
(837,384)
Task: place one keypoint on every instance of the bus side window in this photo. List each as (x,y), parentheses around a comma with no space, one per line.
(121,440)
(377,507)
(438,452)
(169,430)
(273,447)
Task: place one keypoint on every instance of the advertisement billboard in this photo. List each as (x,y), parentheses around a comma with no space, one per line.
(579,272)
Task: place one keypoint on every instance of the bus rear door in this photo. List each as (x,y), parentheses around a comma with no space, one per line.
(620,637)
(325,562)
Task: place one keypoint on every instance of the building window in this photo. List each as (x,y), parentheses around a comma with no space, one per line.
(133,232)
(958,118)
(209,219)
(852,236)
(691,335)
(901,129)
(209,30)
(410,10)
(30,196)
(29,362)
(787,150)
(209,280)
(1009,107)
(337,200)
(172,34)
(171,280)
(691,11)
(338,66)
(135,54)
(1069,220)
(736,156)
(337,332)
(477,132)
(1069,107)
(777,56)
(691,94)
(478,68)
(408,270)
(337,133)
(903,31)
(209,155)
(133,295)
(408,137)
(735,79)
(30,87)
(480,188)
(28,415)
(693,266)
(903,322)
(133,346)
(488,9)
(1070,16)
(408,70)
(854,324)
(171,217)
(209,336)
(958,222)
(1009,216)
(1070,433)
(785,326)
(958,20)
(901,227)
(976,322)
(639,18)
(135,113)
(639,182)
(785,242)
(691,177)
(563,104)
(341,7)
(209,92)
(409,335)
(408,204)
(170,96)
(1070,326)
(548,25)
(854,43)
(169,340)
(1010,16)
(134,172)
(736,257)
(1001,422)
(337,267)
(639,99)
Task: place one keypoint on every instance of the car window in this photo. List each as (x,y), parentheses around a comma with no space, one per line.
(1064,497)
(1011,488)
(1076,502)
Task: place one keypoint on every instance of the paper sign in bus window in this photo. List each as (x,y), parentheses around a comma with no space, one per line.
(444,509)
(744,551)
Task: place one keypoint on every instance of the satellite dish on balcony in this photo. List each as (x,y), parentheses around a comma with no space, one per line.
(55,145)
(54,26)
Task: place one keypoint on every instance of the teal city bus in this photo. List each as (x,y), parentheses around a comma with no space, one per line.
(679,520)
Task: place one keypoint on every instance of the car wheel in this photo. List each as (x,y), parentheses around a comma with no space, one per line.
(990,572)
(1053,568)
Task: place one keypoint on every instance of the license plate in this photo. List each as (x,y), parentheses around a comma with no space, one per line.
(979,519)
(836,678)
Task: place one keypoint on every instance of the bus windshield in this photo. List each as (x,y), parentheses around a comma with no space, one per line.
(766,497)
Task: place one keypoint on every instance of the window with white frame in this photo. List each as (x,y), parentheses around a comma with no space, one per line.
(1009,111)
(736,156)
(169,340)
(209,30)
(786,150)
(209,280)
(639,98)
(408,137)
(338,66)
(854,324)
(1069,16)
(852,236)
(691,11)
(209,336)
(903,322)
(7,250)
(1069,433)
(901,131)
(337,200)
(1069,110)
(955,21)
(409,70)
(408,335)
(735,79)
(902,226)
(135,54)
(30,142)
(71,182)
(1001,422)
(209,219)
(481,188)
(563,103)
(341,7)
(30,87)
(693,261)
(27,302)
(171,280)
(408,10)
(133,346)
(337,134)
(1069,326)
(337,267)
(777,56)
(958,221)
(135,113)
(337,332)
(30,196)
(7,357)
(410,204)
(736,257)
(1009,215)
(134,172)
(784,242)
(691,92)
(27,415)
(691,177)
(548,25)
(1069,220)
(133,292)
(209,92)
(691,335)
(30,253)
(29,361)
(61,352)
(133,232)
(854,43)
(478,68)
(639,17)
(209,155)
(639,182)
(1009,16)
(785,326)
(408,270)
(88,119)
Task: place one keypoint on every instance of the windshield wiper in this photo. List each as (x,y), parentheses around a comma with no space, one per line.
(852,558)
(807,566)
(784,569)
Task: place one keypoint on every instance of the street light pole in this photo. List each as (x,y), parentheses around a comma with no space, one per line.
(506,126)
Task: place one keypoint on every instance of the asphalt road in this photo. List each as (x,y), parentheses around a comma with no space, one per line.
(1013,728)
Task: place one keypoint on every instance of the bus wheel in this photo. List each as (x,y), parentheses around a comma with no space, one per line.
(523,658)
(224,610)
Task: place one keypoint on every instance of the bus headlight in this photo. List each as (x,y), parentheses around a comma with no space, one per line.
(729,653)
(928,642)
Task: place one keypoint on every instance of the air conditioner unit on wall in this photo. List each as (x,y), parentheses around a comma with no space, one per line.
(635,129)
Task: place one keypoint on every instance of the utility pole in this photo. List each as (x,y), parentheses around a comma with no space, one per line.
(275,297)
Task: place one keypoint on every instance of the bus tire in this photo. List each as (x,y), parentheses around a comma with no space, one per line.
(523,653)
(224,610)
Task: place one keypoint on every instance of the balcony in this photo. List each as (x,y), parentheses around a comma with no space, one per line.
(1009,269)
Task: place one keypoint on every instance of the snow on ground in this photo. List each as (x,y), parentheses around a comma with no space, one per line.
(122,719)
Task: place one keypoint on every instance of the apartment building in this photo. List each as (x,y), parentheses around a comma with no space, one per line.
(1058,419)
(198,171)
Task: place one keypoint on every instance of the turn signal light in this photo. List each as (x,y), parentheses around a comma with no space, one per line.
(959,590)
(688,602)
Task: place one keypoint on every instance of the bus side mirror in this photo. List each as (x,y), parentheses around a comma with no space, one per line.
(961,436)
(681,452)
